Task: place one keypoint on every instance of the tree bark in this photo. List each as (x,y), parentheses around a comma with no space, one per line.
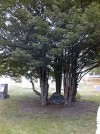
(58,73)
(44,85)
(58,79)
(70,78)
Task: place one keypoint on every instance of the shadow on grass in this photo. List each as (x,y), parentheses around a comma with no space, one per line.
(23,103)
(29,105)
(22,113)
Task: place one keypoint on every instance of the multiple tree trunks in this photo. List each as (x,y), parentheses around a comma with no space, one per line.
(69,80)
(70,90)
(66,73)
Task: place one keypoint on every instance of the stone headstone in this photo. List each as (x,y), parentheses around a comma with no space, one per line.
(4,91)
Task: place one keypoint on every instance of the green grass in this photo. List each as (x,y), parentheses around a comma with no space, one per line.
(13,120)
(88,92)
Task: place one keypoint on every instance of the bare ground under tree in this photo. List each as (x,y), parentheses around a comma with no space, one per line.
(31,105)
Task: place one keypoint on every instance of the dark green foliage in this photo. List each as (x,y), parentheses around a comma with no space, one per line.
(58,38)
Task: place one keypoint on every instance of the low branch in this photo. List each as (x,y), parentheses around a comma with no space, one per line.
(87,70)
(35,91)
(33,87)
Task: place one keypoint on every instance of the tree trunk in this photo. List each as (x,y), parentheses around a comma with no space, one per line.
(75,91)
(69,89)
(70,78)
(44,85)
(66,90)
(58,78)
(58,74)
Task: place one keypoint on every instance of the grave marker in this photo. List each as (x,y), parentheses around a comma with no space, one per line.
(4,91)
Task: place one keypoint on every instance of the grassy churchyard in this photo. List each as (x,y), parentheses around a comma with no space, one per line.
(23,114)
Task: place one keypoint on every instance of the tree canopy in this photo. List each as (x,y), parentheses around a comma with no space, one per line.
(58,38)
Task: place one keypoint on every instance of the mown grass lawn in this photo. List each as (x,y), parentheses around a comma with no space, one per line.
(22,114)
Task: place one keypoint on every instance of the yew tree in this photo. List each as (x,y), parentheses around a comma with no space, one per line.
(44,38)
